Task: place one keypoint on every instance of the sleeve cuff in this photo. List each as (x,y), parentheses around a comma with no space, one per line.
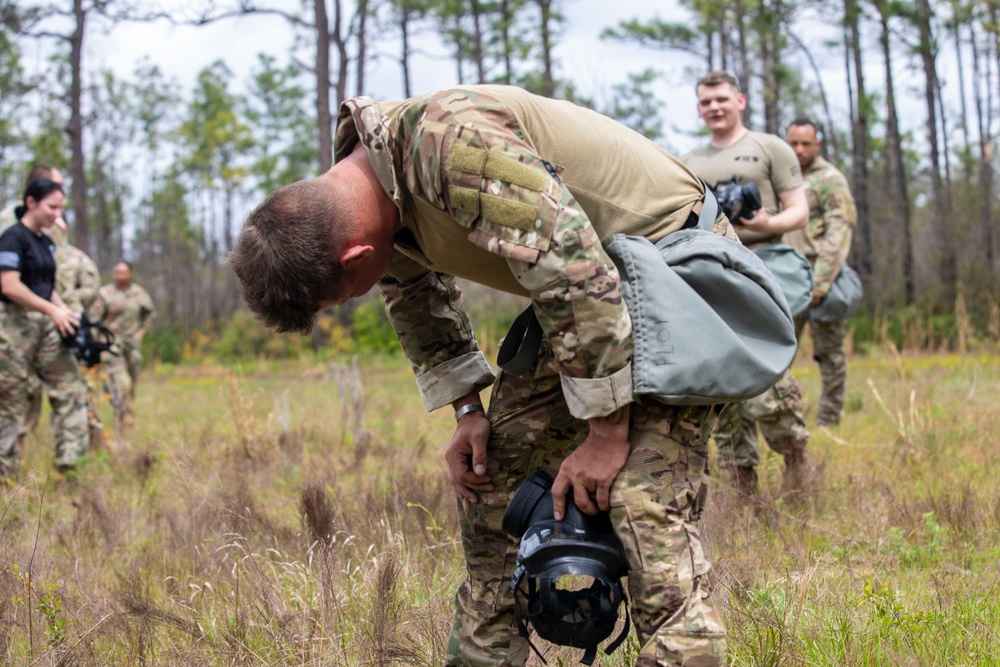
(596,397)
(449,381)
(822,286)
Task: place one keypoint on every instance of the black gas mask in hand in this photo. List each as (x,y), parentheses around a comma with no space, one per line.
(555,555)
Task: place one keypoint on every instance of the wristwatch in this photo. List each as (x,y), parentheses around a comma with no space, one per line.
(467,408)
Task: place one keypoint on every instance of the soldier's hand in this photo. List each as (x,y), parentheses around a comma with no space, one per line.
(759,221)
(466,456)
(817,298)
(66,320)
(592,467)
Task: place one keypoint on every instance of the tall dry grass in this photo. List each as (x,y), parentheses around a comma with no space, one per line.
(302,517)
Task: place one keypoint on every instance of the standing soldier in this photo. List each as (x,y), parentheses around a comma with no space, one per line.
(825,242)
(125,309)
(77,282)
(33,321)
(766,161)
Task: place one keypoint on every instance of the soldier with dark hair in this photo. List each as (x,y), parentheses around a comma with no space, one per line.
(825,242)
(126,309)
(39,171)
(516,192)
(77,281)
(33,319)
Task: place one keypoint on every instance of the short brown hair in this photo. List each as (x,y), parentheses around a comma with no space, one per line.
(718,77)
(39,171)
(284,257)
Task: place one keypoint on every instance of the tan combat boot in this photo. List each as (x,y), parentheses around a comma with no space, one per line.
(744,480)
(797,477)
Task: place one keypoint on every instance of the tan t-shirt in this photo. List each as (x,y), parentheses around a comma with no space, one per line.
(623,182)
(760,158)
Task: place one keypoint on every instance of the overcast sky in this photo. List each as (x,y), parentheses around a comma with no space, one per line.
(594,65)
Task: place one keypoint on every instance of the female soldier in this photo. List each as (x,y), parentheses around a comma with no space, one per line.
(32,320)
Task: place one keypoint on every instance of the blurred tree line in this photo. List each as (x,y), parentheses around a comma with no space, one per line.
(163,175)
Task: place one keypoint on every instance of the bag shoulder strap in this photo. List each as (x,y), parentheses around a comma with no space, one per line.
(519,349)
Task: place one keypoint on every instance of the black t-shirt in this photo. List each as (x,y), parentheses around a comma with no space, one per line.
(34,256)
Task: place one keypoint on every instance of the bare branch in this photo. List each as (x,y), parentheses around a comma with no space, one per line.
(245,9)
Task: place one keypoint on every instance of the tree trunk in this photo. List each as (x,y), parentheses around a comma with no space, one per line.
(362,46)
(724,45)
(341,41)
(896,190)
(943,225)
(506,20)
(985,153)
(545,33)
(769,23)
(227,216)
(743,76)
(988,204)
(324,121)
(404,56)
(478,51)
(863,242)
(956,36)
(78,169)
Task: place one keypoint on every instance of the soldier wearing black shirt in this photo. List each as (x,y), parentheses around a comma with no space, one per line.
(33,255)
(33,318)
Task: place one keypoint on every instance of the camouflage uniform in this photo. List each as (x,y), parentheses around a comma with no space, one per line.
(826,242)
(77,276)
(489,190)
(77,281)
(777,413)
(31,345)
(771,164)
(7,219)
(127,313)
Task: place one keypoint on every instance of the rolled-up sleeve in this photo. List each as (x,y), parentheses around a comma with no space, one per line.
(430,321)
(839,217)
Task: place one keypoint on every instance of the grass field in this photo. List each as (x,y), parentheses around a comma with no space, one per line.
(299,515)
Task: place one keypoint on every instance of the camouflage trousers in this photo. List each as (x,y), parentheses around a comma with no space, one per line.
(36,396)
(655,503)
(779,414)
(123,372)
(828,351)
(30,343)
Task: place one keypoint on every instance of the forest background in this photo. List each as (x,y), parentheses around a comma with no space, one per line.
(163,171)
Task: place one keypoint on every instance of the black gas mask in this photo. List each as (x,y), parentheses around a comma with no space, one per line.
(556,555)
(737,200)
(89,340)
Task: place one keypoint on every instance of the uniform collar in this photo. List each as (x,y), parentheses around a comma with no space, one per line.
(360,120)
(818,164)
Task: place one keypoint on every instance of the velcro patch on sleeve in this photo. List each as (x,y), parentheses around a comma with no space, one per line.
(464,199)
(10,260)
(507,212)
(509,170)
(467,159)
(497,167)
